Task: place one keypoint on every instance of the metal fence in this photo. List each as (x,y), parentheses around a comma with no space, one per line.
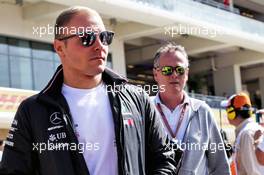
(212,101)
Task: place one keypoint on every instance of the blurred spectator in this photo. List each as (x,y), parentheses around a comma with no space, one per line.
(260,152)
(226,2)
(239,112)
(259,140)
(260,117)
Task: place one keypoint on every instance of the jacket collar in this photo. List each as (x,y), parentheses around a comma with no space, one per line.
(193,103)
(185,100)
(53,88)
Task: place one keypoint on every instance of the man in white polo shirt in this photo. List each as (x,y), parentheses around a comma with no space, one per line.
(188,121)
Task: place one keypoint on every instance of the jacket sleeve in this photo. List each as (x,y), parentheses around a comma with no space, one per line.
(159,153)
(217,158)
(17,155)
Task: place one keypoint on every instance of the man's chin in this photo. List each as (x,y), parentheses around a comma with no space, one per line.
(176,87)
(99,70)
(176,90)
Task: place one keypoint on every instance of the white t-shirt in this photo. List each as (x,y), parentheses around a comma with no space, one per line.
(94,127)
(1,153)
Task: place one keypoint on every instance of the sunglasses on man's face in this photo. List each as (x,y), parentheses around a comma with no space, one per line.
(88,39)
(168,70)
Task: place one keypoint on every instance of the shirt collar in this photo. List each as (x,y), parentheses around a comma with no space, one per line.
(242,125)
(185,101)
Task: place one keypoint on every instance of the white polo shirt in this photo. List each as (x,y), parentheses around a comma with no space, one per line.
(174,116)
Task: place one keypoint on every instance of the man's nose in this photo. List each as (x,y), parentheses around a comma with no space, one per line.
(174,73)
(98,45)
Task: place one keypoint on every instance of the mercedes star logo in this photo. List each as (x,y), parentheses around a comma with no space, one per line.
(55,119)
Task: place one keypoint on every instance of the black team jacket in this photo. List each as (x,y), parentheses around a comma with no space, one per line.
(42,140)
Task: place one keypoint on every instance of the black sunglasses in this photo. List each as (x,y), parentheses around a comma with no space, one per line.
(89,38)
(168,70)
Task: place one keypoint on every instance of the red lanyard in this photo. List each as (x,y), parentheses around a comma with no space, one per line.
(166,121)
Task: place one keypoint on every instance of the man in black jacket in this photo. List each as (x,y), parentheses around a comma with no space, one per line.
(88,119)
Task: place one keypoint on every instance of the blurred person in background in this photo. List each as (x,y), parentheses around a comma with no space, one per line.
(259,138)
(239,114)
(259,143)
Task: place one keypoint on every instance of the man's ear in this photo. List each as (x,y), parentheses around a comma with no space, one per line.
(59,47)
(187,73)
(155,74)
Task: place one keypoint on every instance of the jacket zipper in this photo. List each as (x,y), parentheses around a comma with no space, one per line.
(119,132)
